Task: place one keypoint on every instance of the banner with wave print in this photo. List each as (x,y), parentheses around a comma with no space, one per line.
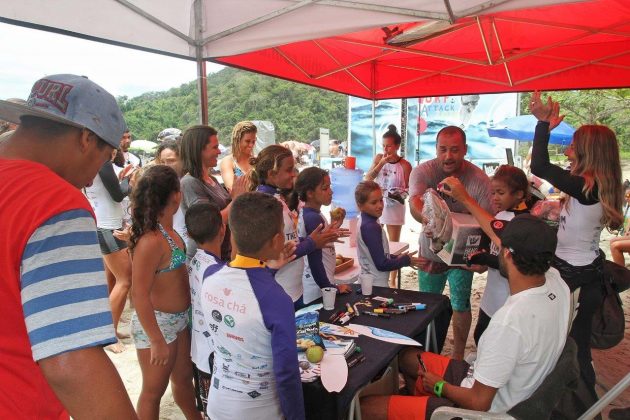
(425,117)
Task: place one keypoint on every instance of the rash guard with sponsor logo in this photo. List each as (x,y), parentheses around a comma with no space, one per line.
(251,322)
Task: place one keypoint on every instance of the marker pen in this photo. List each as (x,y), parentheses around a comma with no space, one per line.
(335,316)
(377,314)
(356,361)
(390,311)
(413,307)
(349,307)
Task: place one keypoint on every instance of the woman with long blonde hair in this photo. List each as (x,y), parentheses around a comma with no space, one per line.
(593,201)
(237,163)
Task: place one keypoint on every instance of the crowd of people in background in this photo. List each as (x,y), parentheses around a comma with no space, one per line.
(179,241)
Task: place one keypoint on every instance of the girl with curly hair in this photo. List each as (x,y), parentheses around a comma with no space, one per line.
(161,294)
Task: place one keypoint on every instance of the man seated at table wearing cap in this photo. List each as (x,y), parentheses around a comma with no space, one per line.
(56,316)
(518,350)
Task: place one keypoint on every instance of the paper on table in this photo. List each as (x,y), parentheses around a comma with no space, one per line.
(334,372)
(338,330)
(311,308)
(383,335)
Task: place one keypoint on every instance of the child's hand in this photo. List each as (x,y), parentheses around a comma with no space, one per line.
(476,268)
(453,187)
(419,263)
(323,236)
(343,289)
(286,256)
(123,234)
(240,185)
(159,353)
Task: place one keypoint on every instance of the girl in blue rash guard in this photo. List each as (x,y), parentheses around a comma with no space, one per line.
(274,171)
(373,247)
(313,188)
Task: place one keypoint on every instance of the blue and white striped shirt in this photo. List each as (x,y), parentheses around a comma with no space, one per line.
(63,287)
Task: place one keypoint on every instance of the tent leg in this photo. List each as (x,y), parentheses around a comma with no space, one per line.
(202,85)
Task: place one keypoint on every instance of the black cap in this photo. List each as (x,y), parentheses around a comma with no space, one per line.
(526,235)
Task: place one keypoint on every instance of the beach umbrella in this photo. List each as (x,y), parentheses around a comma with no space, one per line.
(522,128)
(143,146)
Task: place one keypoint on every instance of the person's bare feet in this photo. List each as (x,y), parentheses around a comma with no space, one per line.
(116,348)
(122,335)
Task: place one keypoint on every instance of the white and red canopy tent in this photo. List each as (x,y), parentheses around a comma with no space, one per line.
(373,49)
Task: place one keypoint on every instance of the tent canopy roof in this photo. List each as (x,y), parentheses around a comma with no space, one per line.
(228,27)
(372,49)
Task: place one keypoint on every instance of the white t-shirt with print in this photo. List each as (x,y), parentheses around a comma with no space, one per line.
(523,342)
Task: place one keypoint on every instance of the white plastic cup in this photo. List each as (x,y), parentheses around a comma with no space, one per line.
(328,295)
(366,286)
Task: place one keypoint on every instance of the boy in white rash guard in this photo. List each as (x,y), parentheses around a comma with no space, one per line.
(204,222)
(251,321)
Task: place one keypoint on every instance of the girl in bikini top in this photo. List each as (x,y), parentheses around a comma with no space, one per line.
(178,255)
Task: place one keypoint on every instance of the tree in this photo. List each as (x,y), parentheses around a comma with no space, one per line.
(610,107)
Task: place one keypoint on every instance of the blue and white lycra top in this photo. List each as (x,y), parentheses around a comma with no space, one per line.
(290,276)
(252,325)
(201,343)
(319,267)
(373,252)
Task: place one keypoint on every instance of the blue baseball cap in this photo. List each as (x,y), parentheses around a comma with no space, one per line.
(72,100)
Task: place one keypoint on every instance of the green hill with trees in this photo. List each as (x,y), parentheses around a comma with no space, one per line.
(296,110)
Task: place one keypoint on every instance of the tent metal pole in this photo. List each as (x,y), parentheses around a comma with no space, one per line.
(202,85)
(202,78)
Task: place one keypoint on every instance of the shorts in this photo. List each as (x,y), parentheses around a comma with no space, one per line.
(170,325)
(422,404)
(459,281)
(393,214)
(202,381)
(109,244)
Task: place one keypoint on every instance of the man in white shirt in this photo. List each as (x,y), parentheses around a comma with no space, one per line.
(518,350)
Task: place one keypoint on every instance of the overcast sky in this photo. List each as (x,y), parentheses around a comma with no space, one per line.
(28,54)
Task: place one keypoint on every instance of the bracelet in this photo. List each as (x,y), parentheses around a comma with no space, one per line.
(437,388)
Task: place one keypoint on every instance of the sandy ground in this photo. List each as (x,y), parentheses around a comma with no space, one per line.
(610,365)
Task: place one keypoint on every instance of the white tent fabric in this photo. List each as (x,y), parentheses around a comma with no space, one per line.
(203,29)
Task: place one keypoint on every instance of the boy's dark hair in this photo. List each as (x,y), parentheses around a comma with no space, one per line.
(254,220)
(203,222)
(532,265)
(363,191)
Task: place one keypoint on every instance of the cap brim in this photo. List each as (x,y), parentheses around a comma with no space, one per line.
(12,112)
(498,226)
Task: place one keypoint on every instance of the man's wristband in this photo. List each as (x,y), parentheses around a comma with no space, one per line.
(437,388)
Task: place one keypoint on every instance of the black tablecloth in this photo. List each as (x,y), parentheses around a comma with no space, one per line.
(320,404)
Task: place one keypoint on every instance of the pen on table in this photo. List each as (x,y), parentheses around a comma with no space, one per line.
(413,306)
(342,314)
(389,311)
(335,316)
(377,314)
(349,307)
(356,361)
